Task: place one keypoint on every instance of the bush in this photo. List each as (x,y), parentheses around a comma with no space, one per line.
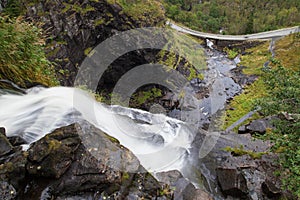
(22,58)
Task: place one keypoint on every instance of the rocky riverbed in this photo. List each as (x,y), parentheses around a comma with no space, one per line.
(218,165)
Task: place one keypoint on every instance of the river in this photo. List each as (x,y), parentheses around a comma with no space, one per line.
(160,142)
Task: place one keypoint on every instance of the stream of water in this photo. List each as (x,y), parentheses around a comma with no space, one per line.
(161,143)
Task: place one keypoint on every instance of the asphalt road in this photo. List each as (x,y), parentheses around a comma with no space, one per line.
(256,36)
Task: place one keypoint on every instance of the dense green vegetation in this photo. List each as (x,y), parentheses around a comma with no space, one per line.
(277,91)
(146,12)
(22,57)
(234,16)
(282,99)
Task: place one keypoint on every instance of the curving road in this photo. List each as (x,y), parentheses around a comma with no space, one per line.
(256,36)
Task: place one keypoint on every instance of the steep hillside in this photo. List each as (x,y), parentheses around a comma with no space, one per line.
(73,28)
(234,16)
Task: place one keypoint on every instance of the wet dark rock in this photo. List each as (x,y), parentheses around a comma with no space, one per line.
(182,188)
(5,146)
(236,176)
(242,46)
(12,168)
(242,129)
(2,131)
(169,177)
(16,141)
(270,189)
(52,155)
(80,162)
(257,126)
(242,79)
(232,182)
(7,191)
(202,92)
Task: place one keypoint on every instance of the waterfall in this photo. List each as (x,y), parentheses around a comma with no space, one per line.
(160,142)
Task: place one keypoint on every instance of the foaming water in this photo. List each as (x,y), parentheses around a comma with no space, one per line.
(161,143)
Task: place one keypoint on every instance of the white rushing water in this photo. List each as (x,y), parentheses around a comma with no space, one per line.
(161,143)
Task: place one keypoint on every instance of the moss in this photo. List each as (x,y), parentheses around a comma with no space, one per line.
(244,103)
(99,22)
(240,151)
(287,51)
(166,190)
(87,9)
(193,74)
(54,144)
(112,139)
(87,51)
(76,7)
(139,98)
(125,176)
(53,52)
(231,53)
(179,52)
(255,58)
(6,167)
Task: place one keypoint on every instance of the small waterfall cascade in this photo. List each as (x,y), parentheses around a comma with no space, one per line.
(161,143)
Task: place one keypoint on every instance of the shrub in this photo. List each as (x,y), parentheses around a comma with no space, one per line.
(22,58)
(283,100)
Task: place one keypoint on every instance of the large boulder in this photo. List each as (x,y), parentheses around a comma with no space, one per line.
(78,161)
(259,126)
(12,164)
(5,146)
(242,79)
(181,188)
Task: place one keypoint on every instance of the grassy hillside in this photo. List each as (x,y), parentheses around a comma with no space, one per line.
(234,16)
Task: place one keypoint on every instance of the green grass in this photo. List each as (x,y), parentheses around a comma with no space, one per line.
(141,97)
(22,57)
(287,51)
(255,58)
(253,62)
(146,12)
(244,103)
(231,53)
(240,151)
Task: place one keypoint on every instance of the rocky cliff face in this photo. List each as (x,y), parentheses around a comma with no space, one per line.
(73,28)
(2,4)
